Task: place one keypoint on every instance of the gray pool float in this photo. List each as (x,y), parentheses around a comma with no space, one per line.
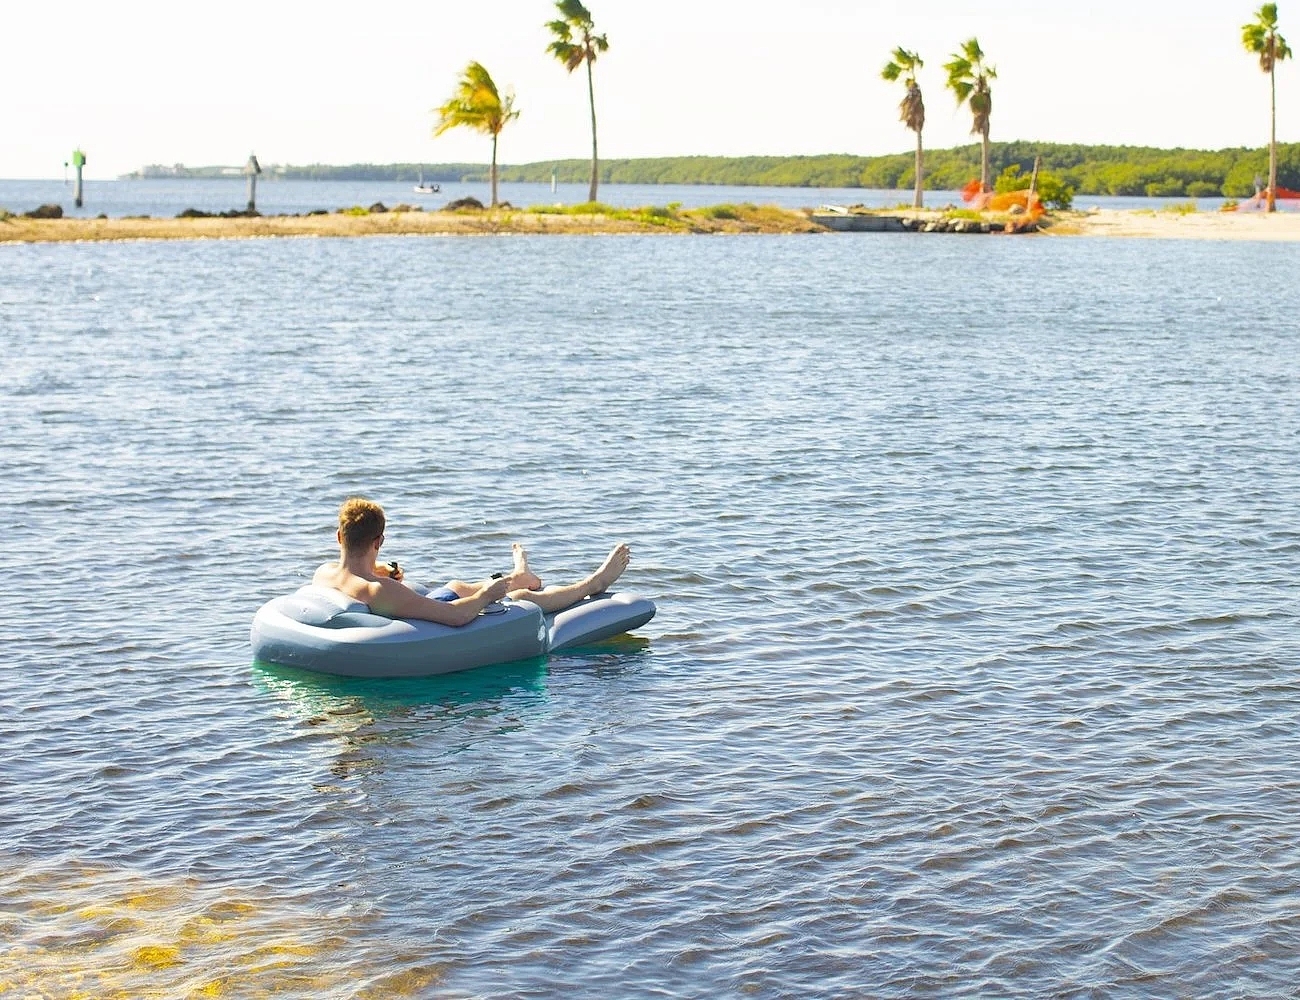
(321,629)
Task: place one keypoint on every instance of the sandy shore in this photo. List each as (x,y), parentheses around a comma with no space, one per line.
(1146,224)
(1283,226)
(733,219)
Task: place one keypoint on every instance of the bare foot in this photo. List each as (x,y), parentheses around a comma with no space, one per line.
(523,578)
(612,568)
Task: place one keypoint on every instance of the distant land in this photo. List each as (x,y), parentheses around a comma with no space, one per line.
(1096,170)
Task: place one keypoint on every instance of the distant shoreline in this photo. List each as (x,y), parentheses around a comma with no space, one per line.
(721,219)
(1102,171)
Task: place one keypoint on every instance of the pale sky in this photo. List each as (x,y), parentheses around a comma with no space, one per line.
(147,81)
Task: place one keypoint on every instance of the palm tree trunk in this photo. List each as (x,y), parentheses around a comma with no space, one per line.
(493,173)
(920,172)
(984,161)
(1272,145)
(591,97)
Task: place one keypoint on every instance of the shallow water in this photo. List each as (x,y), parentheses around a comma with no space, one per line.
(973,674)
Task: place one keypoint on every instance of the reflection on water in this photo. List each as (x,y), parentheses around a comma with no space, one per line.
(322,699)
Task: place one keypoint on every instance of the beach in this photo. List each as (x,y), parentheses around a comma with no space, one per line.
(1174,225)
(733,219)
(717,219)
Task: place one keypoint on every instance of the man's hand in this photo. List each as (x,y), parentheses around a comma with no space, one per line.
(497,589)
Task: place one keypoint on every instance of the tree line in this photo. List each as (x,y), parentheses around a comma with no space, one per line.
(1096,170)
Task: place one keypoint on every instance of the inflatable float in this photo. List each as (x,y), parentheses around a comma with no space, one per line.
(320,629)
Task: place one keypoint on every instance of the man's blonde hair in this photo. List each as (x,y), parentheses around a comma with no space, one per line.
(361,521)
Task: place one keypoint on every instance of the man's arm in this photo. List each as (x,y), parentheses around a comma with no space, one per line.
(394,600)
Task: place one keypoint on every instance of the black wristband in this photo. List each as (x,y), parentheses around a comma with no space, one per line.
(498,576)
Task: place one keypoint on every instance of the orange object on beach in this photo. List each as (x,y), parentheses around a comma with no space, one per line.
(972,191)
(1031,204)
(1287,201)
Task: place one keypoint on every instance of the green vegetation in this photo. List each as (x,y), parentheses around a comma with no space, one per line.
(653,215)
(478,105)
(968,79)
(575,44)
(1261,38)
(911,111)
(1052,191)
(1096,170)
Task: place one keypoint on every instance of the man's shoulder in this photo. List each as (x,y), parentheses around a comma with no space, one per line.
(357,587)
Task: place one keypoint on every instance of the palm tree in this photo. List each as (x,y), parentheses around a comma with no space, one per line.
(478,105)
(574,45)
(1260,37)
(968,78)
(911,111)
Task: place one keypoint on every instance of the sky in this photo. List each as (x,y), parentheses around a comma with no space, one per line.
(145,81)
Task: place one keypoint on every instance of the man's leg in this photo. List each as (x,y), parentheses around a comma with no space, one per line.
(557,598)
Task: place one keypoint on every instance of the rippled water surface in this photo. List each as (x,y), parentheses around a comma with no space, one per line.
(974,671)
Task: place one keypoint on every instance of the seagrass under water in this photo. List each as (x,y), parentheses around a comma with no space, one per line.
(974,671)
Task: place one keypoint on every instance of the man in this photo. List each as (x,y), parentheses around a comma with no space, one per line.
(359,574)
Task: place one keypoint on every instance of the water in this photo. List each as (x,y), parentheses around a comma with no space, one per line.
(164,198)
(973,675)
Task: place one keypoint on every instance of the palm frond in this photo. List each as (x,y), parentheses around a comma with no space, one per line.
(911,110)
(1261,38)
(575,13)
(475,104)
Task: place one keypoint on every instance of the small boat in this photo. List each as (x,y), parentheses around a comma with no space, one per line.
(423,188)
(320,629)
(843,220)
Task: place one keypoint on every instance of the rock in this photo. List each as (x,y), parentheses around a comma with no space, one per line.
(45,212)
(193,213)
(377,208)
(462,203)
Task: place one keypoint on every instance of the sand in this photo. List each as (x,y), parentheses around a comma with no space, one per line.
(1282,226)
(747,220)
(1146,224)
